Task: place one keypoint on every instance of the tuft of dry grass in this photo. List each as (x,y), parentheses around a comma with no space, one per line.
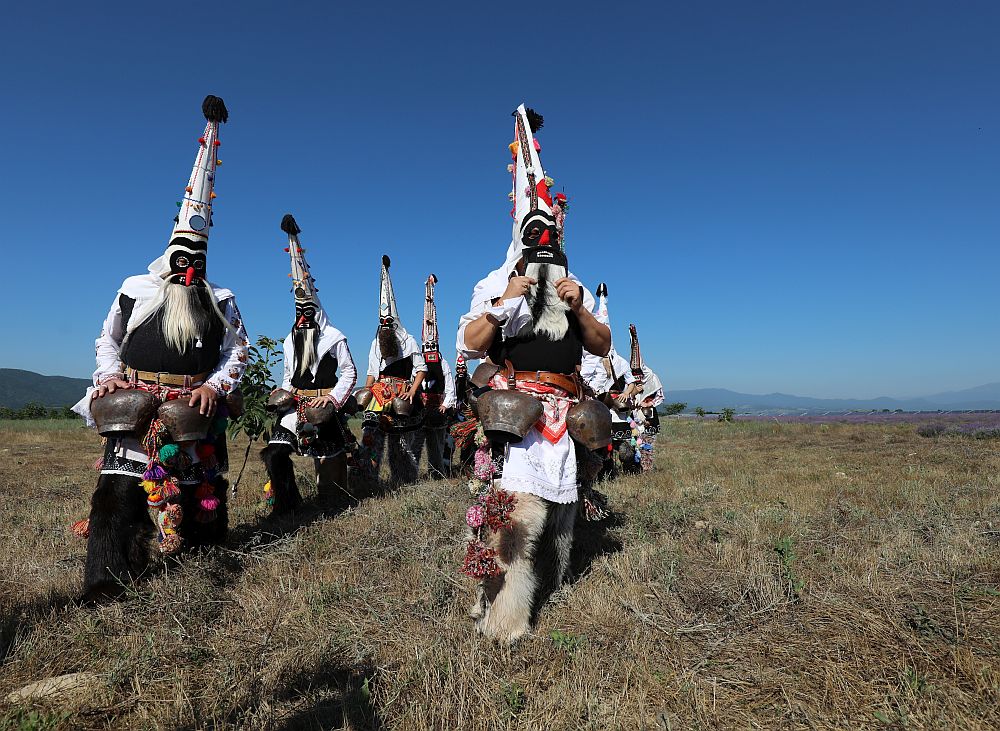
(765,575)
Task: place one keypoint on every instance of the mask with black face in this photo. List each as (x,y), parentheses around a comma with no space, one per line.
(188,262)
(538,229)
(305,315)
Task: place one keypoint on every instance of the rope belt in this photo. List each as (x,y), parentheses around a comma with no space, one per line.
(165,379)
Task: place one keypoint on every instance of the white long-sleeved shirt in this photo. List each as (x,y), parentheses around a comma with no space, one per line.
(449,399)
(345,363)
(232,360)
(407,349)
(594,373)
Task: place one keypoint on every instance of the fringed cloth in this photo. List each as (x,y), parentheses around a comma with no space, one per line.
(555,405)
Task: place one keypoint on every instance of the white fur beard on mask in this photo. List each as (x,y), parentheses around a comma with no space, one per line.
(182,321)
(548,312)
(168,288)
(306,349)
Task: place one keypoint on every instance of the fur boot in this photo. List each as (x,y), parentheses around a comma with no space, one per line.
(506,601)
(277,459)
(121,537)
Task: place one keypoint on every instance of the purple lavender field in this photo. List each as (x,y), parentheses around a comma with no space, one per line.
(978,424)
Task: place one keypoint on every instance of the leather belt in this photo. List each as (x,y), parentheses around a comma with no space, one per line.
(571,384)
(165,379)
(313,392)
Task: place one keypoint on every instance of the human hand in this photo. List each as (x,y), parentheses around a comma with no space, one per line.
(320,401)
(570,292)
(110,387)
(204,397)
(442,408)
(517,287)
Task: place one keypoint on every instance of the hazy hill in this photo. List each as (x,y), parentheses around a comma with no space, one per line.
(713,399)
(18,388)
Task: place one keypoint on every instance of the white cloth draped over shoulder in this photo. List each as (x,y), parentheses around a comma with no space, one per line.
(408,348)
(331,341)
(515,310)
(145,289)
(593,370)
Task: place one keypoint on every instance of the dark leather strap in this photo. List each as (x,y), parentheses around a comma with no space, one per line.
(570,384)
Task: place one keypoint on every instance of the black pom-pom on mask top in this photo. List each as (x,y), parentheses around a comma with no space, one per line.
(385,261)
(602,290)
(214,109)
(289,226)
(535,120)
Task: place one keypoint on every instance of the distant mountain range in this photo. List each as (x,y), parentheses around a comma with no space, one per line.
(713,399)
(18,387)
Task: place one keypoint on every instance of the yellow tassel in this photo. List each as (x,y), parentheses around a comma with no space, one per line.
(514,147)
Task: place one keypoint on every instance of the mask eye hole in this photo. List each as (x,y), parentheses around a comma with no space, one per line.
(182,262)
(309,312)
(199,264)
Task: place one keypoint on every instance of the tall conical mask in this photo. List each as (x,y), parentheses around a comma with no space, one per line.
(430,325)
(303,285)
(534,220)
(186,253)
(387,314)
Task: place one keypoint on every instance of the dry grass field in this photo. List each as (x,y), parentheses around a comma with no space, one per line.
(765,576)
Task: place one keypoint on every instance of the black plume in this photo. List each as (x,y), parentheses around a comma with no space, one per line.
(214,109)
(602,289)
(535,120)
(289,226)
(433,278)
(385,261)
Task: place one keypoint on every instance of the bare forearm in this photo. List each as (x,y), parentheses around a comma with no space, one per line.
(369,381)
(596,335)
(479,333)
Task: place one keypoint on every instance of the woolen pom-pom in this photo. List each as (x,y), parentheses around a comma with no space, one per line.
(209,503)
(204,451)
(168,452)
(170,544)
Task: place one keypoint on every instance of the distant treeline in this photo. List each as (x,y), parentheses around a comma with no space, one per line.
(34,410)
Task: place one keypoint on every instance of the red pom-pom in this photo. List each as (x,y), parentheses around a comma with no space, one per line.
(81,528)
(286,249)
(201,140)
(204,450)
(218,142)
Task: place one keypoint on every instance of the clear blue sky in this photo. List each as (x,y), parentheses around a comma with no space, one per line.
(782,195)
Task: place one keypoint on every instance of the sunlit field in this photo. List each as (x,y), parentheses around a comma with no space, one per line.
(766,575)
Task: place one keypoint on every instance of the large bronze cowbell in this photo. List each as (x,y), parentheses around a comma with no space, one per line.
(507,416)
(589,423)
(127,411)
(184,423)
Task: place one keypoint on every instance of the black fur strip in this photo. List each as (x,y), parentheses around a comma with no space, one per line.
(602,290)
(289,226)
(535,120)
(214,109)
(121,536)
(277,459)
(385,261)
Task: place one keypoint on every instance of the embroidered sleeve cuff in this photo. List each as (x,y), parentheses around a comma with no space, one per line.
(110,377)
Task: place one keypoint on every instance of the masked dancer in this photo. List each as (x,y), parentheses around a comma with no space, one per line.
(437,393)
(533,319)
(611,380)
(392,408)
(311,396)
(171,349)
